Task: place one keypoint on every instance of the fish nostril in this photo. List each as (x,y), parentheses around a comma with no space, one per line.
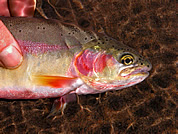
(149,67)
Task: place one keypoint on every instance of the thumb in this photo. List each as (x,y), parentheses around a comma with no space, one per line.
(10,53)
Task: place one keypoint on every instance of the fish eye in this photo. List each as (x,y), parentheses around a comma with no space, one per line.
(127,59)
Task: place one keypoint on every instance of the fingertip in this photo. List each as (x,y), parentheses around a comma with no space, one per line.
(6,38)
(10,58)
(4,8)
(21,8)
(10,52)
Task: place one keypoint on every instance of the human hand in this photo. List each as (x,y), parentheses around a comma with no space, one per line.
(10,53)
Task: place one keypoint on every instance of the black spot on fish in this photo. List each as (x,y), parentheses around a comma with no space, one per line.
(38,27)
(43,27)
(20,30)
(141,63)
(85,38)
(141,56)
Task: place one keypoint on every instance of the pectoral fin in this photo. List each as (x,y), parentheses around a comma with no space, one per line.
(68,84)
(55,81)
(60,104)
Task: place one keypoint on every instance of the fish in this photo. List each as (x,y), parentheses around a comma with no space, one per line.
(61,60)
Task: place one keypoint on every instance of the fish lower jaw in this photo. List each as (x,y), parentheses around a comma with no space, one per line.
(139,77)
(135,72)
(133,80)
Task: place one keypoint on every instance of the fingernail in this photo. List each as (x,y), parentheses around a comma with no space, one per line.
(11,57)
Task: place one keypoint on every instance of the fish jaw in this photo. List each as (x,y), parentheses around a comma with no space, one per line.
(134,73)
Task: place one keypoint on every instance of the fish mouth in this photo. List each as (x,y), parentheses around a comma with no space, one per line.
(135,71)
(133,75)
(140,71)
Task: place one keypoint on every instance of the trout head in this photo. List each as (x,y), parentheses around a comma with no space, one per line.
(105,64)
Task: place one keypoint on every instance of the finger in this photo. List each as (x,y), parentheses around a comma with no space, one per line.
(10,53)
(10,57)
(23,8)
(4,11)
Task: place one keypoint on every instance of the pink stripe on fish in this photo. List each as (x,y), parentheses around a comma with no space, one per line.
(37,93)
(36,47)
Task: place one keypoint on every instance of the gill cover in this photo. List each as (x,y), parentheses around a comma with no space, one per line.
(95,68)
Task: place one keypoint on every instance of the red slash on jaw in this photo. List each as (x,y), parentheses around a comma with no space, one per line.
(89,61)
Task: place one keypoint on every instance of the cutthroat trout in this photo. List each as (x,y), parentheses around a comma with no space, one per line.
(61,60)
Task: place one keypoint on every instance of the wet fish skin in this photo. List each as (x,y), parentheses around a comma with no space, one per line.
(51,32)
(45,43)
(55,52)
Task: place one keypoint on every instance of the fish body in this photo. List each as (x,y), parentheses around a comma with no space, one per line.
(62,59)
(48,48)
